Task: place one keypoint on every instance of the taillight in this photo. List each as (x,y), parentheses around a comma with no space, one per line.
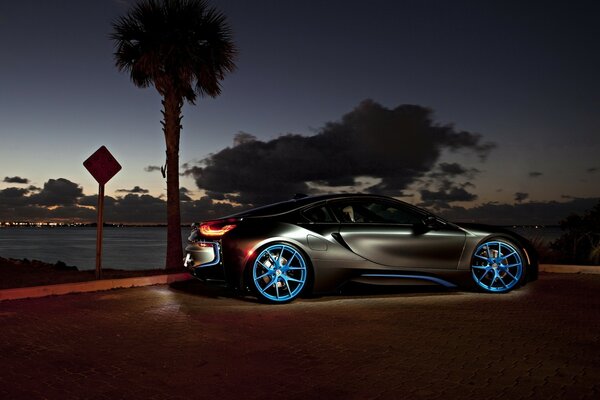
(216,228)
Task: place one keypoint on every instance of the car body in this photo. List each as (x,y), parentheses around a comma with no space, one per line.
(316,244)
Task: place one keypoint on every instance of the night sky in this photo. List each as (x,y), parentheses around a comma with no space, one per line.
(514,84)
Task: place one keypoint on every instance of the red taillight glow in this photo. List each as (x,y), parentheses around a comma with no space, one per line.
(215,229)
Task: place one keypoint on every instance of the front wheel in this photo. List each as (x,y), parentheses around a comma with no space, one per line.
(279,273)
(497,266)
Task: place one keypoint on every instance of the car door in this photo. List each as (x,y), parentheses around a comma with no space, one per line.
(394,234)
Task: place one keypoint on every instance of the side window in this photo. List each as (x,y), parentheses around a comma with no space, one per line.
(319,214)
(375,212)
(392,213)
(354,211)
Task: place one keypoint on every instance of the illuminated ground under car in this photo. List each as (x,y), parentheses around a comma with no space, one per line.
(316,244)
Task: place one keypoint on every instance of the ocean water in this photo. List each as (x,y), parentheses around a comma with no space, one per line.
(124,248)
(131,248)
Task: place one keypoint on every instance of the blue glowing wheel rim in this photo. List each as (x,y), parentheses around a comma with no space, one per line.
(279,273)
(497,266)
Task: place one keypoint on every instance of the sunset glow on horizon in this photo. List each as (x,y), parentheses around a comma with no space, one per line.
(512,85)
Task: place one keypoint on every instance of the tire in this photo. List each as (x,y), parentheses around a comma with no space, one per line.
(497,266)
(278,274)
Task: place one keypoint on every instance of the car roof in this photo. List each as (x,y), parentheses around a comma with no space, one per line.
(296,203)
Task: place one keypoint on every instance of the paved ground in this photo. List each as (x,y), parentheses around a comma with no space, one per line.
(186,342)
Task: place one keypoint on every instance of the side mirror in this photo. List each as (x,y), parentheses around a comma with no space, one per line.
(428,223)
(431,222)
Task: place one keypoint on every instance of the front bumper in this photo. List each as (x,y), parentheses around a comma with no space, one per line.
(204,261)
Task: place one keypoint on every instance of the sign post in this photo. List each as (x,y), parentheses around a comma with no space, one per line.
(103,166)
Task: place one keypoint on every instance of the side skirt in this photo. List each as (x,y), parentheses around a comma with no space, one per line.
(401,279)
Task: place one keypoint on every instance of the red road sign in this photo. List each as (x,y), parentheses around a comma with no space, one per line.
(102,165)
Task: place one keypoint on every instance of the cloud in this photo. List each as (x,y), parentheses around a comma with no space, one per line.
(20,204)
(57,192)
(61,199)
(535,174)
(206,209)
(184,194)
(135,190)
(452,169)
(56,200)
(443,171)
(394,147)
(142,209)
(16,179)
(446,183)
(147,209)
(442,198)
(520,196)
(591,170)
(152,168)
(92,201)
(13,196)
(243,137)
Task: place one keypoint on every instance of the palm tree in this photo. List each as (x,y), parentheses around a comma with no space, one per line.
(184,49)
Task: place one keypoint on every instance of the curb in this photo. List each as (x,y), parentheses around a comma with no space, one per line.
(569,269)
(90,286)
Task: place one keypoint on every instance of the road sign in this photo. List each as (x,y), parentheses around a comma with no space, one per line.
(102,165)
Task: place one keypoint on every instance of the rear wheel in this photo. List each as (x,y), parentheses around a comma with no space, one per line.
(279,273)
(497,266)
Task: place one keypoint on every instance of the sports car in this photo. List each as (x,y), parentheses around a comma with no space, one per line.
(317,244)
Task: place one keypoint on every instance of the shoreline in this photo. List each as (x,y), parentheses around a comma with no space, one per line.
(20,273)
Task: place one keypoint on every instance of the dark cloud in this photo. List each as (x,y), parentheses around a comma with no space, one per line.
(442,174)
(542,213)
(19,204)
(135,190)
(184,194)
(92,201)
(445,184)
(520,196)
(205,209)
(592,170)
(131,208)
(13,196)
(152,168)
(452,169)
(70,213)
(147,209)
(442,198)
(61,199)
(16,179)
(393,146)
(243,137)
(57,192)
(49,203)
(143,208)
(191,170)
(535,174)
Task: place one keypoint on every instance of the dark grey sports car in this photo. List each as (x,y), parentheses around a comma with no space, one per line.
(316,244)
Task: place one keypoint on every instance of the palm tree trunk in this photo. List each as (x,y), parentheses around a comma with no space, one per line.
(172,126)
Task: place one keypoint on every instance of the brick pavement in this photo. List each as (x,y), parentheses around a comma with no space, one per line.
(188,342)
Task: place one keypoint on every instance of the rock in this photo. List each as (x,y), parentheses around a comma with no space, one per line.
(61,266)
